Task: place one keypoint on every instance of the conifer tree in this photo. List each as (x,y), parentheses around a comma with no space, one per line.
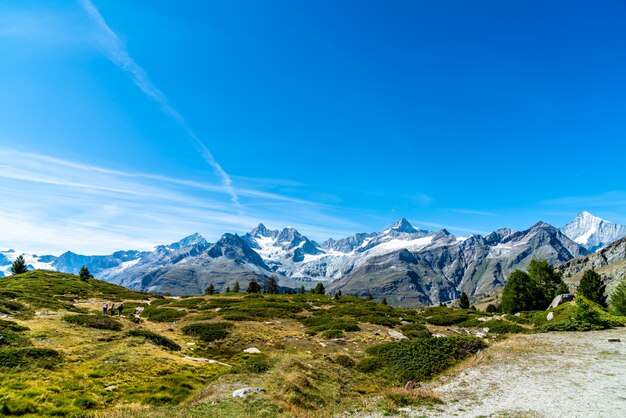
(253,287)
(210,290)
(271,286)
(85,274)
(464,301)
(19,266)
(236,287)
(593,288)
(302,290)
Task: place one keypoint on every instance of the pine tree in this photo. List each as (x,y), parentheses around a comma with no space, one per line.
(339,293)
(384,301)
(271,286)
(19,266)
(519,293)
(319,289)
(210,290)
(562,289)
(302,290)
(547,281)
(85,274)
(253,287)
(464,301)
(227,289)
(491,308)
(593,288)
(370,297)
(618,299)
(236,287)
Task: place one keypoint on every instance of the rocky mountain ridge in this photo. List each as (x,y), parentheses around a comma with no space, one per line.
(407,265)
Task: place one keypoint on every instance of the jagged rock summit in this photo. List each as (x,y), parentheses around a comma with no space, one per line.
(593,232)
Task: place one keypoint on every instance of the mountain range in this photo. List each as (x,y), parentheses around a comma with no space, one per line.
(407,265)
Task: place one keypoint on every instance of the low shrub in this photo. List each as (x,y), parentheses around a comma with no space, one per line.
(585,316)
(30,356)
(94,321)
(163,314)
(8,306)
(255,363)
(317,324)
(208,331)
(345,361)
(400,397)
(13,326)
(415,331)
(9,338)
(333,333)
(419,359)
(85,403)
(502,327)
(155,339)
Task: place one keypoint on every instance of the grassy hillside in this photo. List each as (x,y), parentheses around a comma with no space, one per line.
(59,356)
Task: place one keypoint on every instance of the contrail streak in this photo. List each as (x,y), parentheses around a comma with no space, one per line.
(117,53)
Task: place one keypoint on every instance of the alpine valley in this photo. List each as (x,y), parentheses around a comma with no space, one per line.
(407,265)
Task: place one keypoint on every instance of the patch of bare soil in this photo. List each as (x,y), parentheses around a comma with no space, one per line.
(572,374)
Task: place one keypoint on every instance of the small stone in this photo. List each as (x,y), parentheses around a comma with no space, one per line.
(110,388)
(252,350)
(323,344)
(550,316)
(614,340)
(243,393)
(191,343)
(396,335)
(518,314)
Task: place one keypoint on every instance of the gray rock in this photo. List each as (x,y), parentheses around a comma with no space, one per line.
(252,350)
(550,316)
(243,393)
(396,335)
(561,299)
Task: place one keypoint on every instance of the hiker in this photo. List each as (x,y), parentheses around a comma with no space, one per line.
(105,308)
(119,310)
(112,308)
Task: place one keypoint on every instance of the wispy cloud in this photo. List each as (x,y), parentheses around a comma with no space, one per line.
(118,54)
(52,205)
(473,212)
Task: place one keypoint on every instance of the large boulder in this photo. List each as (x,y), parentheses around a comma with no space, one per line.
(561,299)
(243,393)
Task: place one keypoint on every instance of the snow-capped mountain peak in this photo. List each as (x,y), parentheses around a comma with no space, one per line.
(402,225)
(593,232)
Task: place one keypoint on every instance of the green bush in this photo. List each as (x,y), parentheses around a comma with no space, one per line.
(333,333)
(255,363)
(94,321)
(499,326)
(85,403)
(13,326)
(345,361)
(30,356)
(585,316)
(208,331)
(419,359)
(325,323)
(415,331)
(618,299)
(9,338)
(154,338)
(163,314)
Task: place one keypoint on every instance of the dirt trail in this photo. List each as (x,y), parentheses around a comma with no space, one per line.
(540,375)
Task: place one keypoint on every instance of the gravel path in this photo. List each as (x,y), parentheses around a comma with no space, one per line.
(540,375)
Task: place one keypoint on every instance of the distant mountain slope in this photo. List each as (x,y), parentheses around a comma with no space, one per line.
(592,232)
(476,265)
(410,266)
(609,261)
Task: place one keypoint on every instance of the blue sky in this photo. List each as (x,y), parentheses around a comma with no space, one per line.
(128,124)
